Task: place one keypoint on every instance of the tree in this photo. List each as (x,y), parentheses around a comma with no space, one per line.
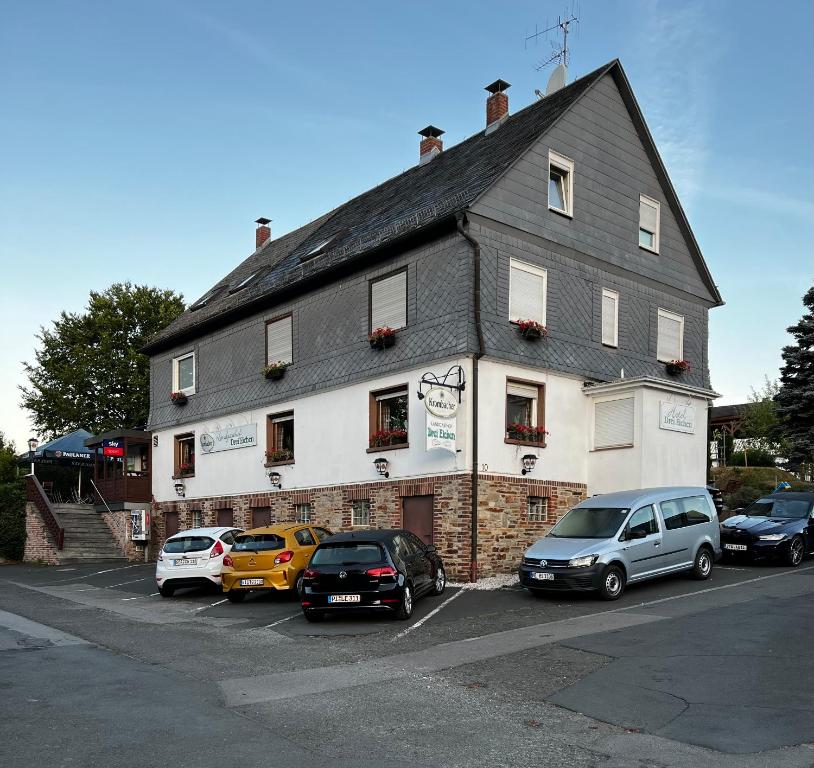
(795,400)
(8,460)
(760,421)
(12,503)
(89,372)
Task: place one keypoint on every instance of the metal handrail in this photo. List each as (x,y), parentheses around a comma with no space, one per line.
(37,496)
(100,495)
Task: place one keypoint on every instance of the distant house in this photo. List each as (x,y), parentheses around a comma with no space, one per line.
(560,216)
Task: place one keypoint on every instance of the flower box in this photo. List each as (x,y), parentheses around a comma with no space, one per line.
(179,398)
(677,367)
(382,338)
(531,330)
(387,437)
(526,434)
(283,455)
(186,470)
(275,371)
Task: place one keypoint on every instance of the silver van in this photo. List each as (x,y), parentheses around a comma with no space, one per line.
(615,539)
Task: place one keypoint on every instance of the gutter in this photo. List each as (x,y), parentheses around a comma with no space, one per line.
(460,219)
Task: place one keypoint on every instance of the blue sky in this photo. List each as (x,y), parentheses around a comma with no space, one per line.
(139,140)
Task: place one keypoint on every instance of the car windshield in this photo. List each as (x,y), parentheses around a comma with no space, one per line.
(348,553)
(797,508)
(257,542)
(187,544)
(590,523)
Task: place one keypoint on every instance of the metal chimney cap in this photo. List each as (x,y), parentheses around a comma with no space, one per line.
(430,132)
(262,222)
(498,86)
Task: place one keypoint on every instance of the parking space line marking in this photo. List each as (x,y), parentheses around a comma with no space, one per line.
(211,605)
(135,581)
(430,614)
(140,597)
(96,573)
(280,621)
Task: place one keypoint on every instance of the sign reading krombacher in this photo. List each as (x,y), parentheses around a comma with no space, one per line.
(442,409)
(228,439)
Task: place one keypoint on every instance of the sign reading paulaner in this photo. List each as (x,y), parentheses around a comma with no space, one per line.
(228,439)
(442,422)
(677,417)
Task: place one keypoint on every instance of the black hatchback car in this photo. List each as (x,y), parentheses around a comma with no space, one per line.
(381,570)
(780,525)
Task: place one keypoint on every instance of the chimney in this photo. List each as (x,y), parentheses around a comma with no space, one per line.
(430,145)
(497,105)
(263,232)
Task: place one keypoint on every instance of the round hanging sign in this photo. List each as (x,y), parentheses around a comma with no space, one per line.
(441,402)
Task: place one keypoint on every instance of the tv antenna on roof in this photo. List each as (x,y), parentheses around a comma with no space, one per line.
(560,54)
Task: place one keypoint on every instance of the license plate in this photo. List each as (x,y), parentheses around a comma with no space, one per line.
(736,547)
(186,561)
(344,598)
(543,576)
(251,582)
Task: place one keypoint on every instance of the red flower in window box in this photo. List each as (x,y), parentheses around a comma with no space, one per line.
(186,468)
(179,398)
(531,329)
(276,370)
(677,367)
(281,454)
(385,437)
(381,338)
(526,433)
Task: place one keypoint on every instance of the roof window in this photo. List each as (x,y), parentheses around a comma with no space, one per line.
(205,299)
(243,283)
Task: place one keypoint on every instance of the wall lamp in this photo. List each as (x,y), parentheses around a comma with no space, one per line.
(180,489)
(529,462)
(275,479)
(381,465)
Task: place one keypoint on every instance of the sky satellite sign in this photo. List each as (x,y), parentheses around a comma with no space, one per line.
(442,422)
(113,448)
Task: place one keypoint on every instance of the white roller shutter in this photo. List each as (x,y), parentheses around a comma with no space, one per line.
(671,336)
(610,318)
(279,341)
(613,423)
(527,292)
(388,302)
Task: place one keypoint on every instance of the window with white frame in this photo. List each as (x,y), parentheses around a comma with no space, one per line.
(302,513)
(183,374)
(537,509)
(560,183)
(613,423)
(197,518)
(610,318)
(527,292)
(279,341)
(670,336)
(360,512)
(649,223)
(388,301)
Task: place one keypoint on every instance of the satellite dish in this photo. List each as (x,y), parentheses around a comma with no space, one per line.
(557,80)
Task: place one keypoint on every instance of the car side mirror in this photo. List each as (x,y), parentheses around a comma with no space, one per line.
(639,533)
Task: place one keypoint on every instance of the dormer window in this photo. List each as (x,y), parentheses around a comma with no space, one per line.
(560,184)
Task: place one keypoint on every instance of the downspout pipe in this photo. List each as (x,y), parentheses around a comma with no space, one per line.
(460,221)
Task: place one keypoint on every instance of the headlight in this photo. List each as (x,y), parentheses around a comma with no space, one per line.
(583,562)
(772,537)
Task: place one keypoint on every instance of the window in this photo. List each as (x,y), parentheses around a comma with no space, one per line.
(280,438)
(388,301)
(229,536)
(183,374)
(261,517)
(560,184)
(258,542)
(649,223)
(302,513)
(185,455)
(613,423)
(322,533)
(643,519)
(527,292)
(670,336)
(538,509)
(305,538)
(389,409)
(360,512)
(205,299)
(225,517)
(279,343)
(197,518)
(183,544)
(680,513)
(525,412)
(240,285)
(610,318)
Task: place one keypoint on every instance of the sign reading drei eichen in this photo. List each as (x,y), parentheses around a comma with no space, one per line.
(677,417)
(229,439)
(442,411)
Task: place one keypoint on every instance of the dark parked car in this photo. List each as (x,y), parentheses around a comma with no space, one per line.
(383,570)
(780,525)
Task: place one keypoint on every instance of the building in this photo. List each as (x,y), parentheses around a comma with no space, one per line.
(561,214)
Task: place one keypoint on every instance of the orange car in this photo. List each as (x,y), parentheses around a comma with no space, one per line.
(269,558)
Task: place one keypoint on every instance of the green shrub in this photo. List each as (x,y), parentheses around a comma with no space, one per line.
(755,457)
(12,520)
(743,497)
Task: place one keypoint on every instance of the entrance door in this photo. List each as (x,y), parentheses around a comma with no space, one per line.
(416,516)
(170,523)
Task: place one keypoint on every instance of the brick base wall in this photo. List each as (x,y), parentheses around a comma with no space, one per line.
(39,547)
(504,530)
(119,525)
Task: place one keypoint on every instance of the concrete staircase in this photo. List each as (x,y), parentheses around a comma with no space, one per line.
(87,537)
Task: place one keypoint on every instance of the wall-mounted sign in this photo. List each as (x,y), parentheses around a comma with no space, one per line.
(441,433)
(677,417)
(113,447)
(228,439)
(441,402)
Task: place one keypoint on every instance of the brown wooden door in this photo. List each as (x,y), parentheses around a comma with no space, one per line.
(416,516)
(170,524)
(226,518)
(261,516)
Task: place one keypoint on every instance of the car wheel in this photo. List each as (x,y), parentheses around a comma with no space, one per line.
(166,590)
(440,583)
(234,596)
(298,585)
(613,583)
(702,566)
(405,609)
(313,616)
(796,550)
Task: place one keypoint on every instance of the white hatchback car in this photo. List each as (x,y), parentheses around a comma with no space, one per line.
(193,558)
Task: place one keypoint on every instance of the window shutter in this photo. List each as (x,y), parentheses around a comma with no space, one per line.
(648,216)
(522,390)
(279,342)
(388,302)
(670,341)
(527,293)
(609,318)
(613,423)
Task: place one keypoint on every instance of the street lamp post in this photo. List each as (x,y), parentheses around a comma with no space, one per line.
(33,444)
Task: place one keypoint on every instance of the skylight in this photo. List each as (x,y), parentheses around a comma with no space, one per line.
(205,299)
(244,282)
(316,250)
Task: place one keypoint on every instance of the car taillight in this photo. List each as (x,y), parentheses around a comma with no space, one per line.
(283,557)
(217,550)
(377,573)
(228,562)
(310,573)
